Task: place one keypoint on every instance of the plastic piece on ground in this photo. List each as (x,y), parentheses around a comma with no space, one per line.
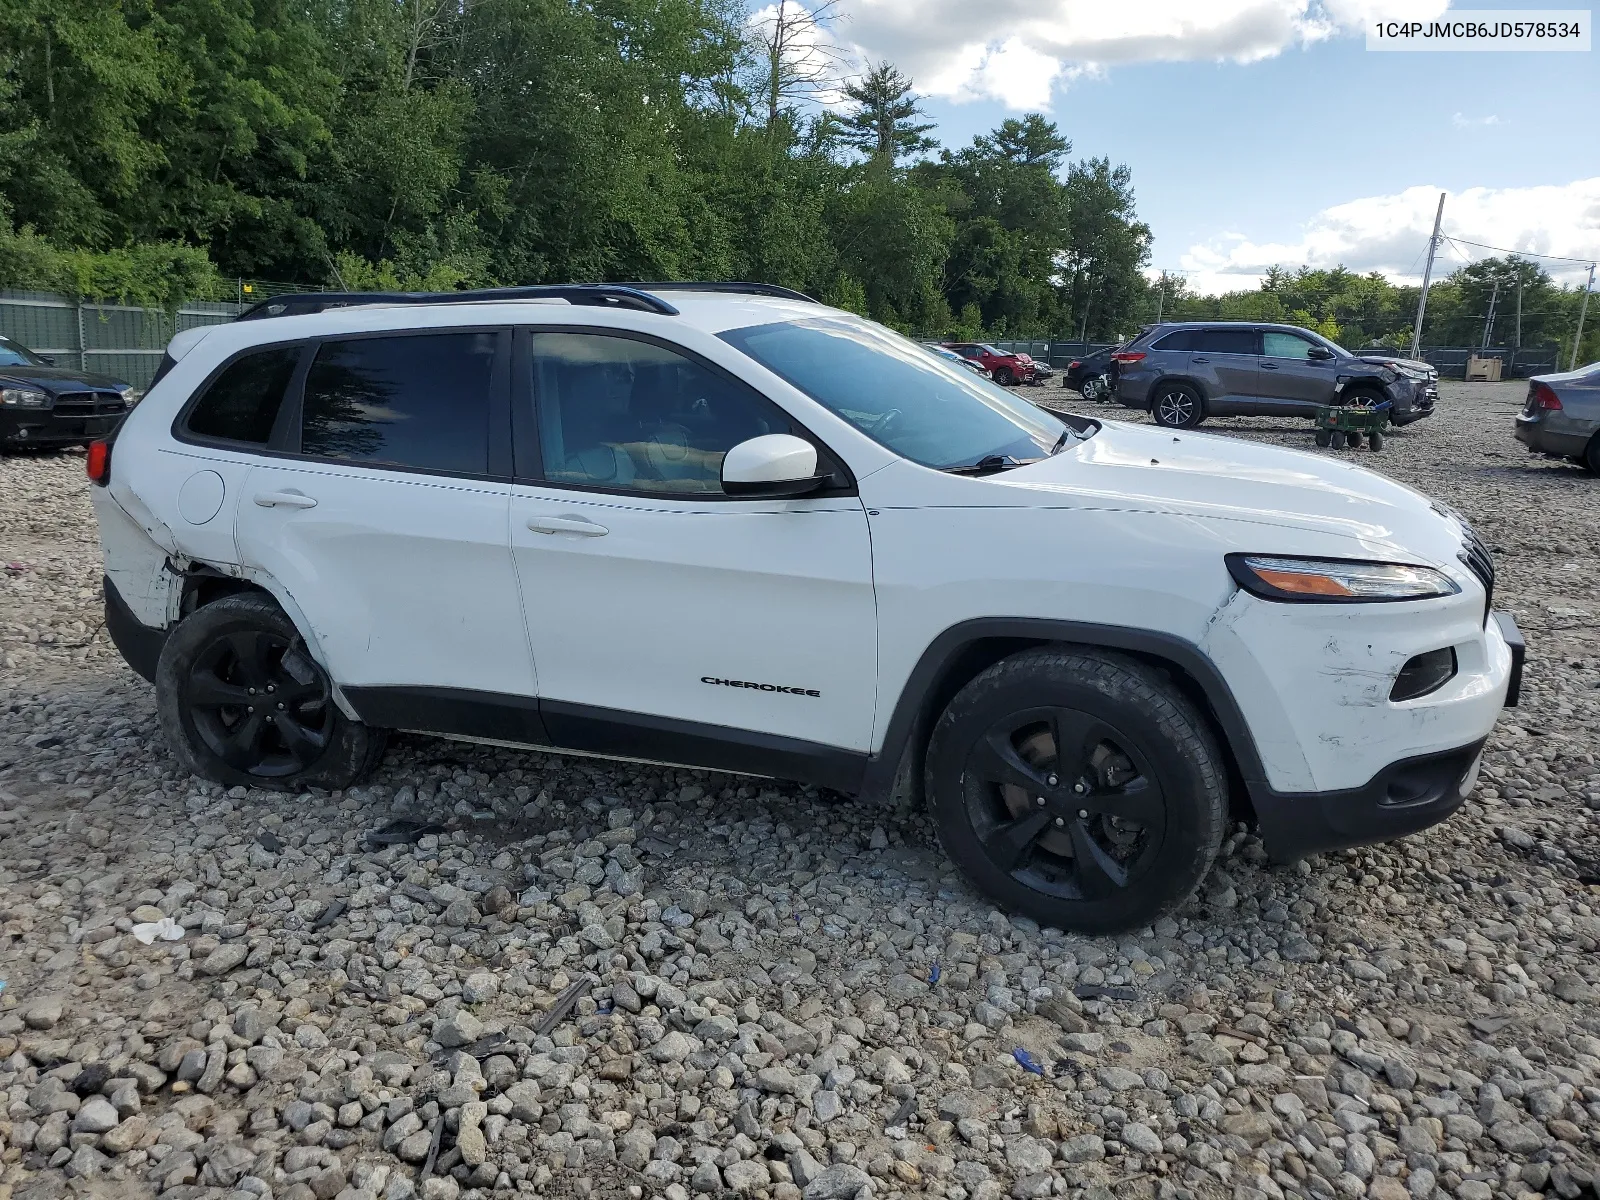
(933,972)
(166,929)
(1026,1062)
(1091,991)
(400,832)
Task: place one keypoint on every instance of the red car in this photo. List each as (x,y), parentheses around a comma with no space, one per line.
(1002,367)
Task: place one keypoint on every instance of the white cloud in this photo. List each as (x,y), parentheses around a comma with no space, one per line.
(1462,121)
(1390,234)
(1028,47)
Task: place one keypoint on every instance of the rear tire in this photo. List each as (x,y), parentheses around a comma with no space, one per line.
(1324,438)
(1591,455)
(1177,406)
(1077,787)
(242,702)
(1376,439)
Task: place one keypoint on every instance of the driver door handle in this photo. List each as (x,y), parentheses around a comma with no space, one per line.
(289,499)
(581,526)
(1200,360)
(1266,366)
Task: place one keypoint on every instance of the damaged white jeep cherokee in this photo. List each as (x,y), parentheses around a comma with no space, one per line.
(728,527)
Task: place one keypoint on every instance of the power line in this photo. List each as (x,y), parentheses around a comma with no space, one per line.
(1588,262)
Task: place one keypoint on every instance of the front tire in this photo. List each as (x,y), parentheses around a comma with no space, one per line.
(1078,788)
(1591,455)
(242,702)
(1178,406)
(1003,376)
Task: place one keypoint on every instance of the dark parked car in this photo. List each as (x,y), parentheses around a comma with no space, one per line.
(1561,417)
(1082,372)
(1182,373)
(1003,367)
(42,404)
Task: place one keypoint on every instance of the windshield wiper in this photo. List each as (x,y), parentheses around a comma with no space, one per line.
(988,463)
(1061,441)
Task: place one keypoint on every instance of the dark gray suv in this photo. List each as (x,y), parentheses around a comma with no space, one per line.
(1184,372)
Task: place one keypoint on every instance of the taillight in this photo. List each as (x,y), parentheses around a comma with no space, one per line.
(1127,356)
(98,464)
(1074,365)
(1542,395)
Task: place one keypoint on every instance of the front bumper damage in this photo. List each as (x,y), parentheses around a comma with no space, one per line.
(1404,797)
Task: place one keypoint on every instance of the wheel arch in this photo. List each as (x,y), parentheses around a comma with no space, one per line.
(1173,377)
(204,584)
(965,650)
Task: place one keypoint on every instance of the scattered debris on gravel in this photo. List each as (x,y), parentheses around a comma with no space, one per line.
(491,971)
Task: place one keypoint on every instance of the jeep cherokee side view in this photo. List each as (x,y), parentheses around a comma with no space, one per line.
(1184,372)
(737,529)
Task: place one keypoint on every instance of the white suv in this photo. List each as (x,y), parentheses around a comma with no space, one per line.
(728,527)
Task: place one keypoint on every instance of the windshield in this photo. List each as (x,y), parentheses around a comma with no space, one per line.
(13,355)
(932,412)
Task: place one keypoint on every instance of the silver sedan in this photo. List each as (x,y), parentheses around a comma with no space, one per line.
(1561,417)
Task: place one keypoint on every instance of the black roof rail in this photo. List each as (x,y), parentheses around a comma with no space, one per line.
(595,295)
(747,289)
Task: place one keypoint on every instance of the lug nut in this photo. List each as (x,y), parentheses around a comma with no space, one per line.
(1039,801)
(280,705)
(1083,813)
(251,691)
(1079,788)
(249,708)
(271,688)
(1060,821)
(1053,780)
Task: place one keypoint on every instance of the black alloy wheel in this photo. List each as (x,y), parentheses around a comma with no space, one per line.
(242,701)
(260,704)
(1078,787)
(1064,803)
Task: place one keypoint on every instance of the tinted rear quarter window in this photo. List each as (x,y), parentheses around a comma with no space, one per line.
(1226,341)
(1181,339)
(242,403)
(418,400)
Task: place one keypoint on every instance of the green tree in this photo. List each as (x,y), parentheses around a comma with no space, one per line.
(883,123)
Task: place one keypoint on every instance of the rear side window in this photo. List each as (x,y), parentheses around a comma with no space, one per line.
(1226,341)
(418,400)
(1182,339)
(242,403)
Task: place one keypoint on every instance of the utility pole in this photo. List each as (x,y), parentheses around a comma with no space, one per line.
(1488,320)
(1583,308)
(1519,310)
(1161,295)
(1427,274)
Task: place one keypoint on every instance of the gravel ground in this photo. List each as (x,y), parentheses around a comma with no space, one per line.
(781,994)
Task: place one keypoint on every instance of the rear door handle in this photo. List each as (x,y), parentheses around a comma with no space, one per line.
(290,499)
(581,526)
(1200,360)
(1266,366)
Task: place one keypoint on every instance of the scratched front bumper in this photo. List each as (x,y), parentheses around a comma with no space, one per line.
(1314,680)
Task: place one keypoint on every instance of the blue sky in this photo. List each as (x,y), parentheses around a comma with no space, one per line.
(1316,151)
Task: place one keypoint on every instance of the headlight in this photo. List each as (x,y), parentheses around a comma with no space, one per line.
(1336,580)
(15,397)
(1408,372)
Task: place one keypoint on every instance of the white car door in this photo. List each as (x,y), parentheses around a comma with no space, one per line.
(386,528)
(670,621)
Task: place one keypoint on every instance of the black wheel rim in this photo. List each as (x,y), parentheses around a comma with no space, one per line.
(260,704)
(1065,803)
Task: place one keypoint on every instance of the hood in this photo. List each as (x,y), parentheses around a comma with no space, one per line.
(56,380)
(1141,468)
(1414,364)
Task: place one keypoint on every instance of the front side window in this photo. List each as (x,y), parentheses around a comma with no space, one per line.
(1226,341)
(1277,344)
(242,403)
(619,413)
(418,400)
(932,412)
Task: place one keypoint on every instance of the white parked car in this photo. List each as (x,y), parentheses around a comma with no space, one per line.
(728,527)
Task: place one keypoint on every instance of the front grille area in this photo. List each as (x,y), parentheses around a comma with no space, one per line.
(88,404)
(1475,554)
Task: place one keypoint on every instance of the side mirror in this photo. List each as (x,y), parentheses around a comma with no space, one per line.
(771,466)
(1319,353)
(48,360)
